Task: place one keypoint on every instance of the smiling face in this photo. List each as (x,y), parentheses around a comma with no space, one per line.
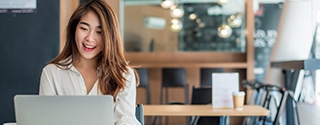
(88,36)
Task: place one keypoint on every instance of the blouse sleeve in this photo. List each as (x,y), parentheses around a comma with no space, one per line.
(46,83)
(125,104)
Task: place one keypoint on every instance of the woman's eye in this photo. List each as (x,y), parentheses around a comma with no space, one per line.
(99,32)
(83,28)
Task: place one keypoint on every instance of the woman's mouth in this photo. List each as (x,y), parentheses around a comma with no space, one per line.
(88,48)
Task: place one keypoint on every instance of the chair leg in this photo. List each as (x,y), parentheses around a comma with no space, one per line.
(290,94)
(148,95)
(166,95)
(194,120)
(161,102)
(155,120)
(161,95)
(148,118)
(281,107)
(167,100)
(186,92)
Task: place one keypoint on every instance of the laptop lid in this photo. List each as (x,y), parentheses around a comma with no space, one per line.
(63,110)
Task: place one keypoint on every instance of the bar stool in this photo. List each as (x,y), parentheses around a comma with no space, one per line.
(144,82)
(206,76)
(173,78)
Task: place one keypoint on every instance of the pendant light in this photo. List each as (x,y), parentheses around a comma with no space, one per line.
(221,2)
(166,4)
(193,16)
(176,25)
(224,31)
(177,12)
(235,20)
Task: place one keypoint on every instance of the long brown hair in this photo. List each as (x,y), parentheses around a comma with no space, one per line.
(111,62)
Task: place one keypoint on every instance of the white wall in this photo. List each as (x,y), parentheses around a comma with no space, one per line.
(295,35)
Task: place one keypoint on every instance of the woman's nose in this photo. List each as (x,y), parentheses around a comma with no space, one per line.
(89,37)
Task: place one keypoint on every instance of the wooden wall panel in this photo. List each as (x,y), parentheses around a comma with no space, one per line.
(66,9)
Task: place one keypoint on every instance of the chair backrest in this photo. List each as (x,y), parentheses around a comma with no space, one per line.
(257,89)
(201,95)
(144,82)
(143,76)
(275,100)
(269,96)
(139,113)
(206,75)
(173,77)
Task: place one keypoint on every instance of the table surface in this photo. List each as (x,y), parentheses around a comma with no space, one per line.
(202,110)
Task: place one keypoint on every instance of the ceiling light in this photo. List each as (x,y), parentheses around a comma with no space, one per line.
(201,25)
(192,16)
(235,20)
(221,2)
(224,31)
(176,25)
(173,6)
(166,4)
(177,13)
(175,21)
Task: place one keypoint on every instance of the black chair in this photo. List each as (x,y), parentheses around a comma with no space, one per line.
(144,82)
(172,78)
(271,97)
(206,75)
(203,95)
(140,114)
(270,100)
(255,99)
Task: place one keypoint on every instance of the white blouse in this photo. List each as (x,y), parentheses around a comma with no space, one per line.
(56,81)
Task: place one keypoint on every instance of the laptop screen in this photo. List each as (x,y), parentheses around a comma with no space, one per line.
(64,110)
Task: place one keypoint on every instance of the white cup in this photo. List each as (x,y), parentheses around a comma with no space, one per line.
(238,100)
(10,123)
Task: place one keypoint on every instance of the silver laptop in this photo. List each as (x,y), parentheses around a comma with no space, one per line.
(63,110)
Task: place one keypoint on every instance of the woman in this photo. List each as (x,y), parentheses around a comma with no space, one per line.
(93,62)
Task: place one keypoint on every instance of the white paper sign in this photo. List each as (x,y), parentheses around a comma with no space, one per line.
(223,84)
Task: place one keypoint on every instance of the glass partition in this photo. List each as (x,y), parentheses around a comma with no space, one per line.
(184,25)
